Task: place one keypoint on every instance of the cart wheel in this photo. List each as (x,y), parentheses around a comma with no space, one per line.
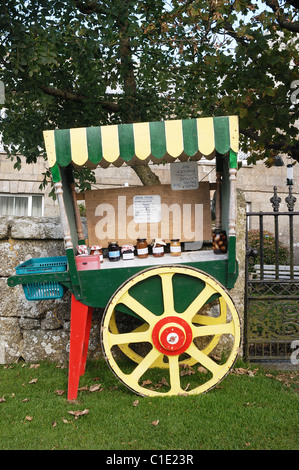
(170,317)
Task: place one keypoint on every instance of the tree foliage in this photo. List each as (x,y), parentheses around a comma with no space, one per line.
(78,63)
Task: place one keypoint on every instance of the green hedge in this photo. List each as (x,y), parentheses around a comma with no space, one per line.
(269,249)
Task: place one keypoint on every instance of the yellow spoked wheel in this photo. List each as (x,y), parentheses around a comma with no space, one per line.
(176,319)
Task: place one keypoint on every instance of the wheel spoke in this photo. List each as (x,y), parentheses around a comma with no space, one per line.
(206,361)
(137,308)
(210,330)
(208,320)
(174,374)
(167,289)
(126,338)
(144,365)
(198,302)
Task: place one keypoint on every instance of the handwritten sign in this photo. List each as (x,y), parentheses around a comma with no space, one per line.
(147,208)
(184,175)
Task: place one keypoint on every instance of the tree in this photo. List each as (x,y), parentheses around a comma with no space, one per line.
(91,62)
(250,52)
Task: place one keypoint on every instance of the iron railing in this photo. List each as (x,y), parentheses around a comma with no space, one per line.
(271,320)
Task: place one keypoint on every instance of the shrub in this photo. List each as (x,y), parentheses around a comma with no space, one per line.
(269,249)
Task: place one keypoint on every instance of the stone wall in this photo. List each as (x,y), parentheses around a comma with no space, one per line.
(39,330)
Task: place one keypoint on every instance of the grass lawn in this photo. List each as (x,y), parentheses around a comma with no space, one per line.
(250,409)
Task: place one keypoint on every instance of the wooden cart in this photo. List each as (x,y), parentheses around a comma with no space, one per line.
(174,313)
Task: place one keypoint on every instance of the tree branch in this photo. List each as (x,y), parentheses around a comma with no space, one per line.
(90,6)
(67,95)
(282,19)
(282,146)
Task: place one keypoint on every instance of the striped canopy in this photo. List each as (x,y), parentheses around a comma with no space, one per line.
(158,142)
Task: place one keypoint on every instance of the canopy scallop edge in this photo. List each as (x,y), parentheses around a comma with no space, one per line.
(163,141)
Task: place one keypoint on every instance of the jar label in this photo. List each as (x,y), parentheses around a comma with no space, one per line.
(159,249)
(128,255)
(114,254)
(175,249)
(142,251)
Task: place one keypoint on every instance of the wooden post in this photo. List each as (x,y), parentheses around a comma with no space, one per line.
(64,220)
(232,202)
(218,201)
(81,316)
(77,213)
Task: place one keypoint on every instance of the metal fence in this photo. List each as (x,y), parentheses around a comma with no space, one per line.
(272,284)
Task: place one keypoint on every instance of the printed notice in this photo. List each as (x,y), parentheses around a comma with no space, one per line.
(147,209)
(184,175)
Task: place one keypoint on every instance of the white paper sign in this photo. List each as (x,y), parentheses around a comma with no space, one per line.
(184,175)
(147,209)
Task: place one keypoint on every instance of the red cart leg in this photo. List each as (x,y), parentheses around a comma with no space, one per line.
(81,316)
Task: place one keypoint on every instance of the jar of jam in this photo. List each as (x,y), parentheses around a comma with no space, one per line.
(97,250)
(142,248)
(113,251)
(219,242)
(127,252)
(158,248)
(82,250)
(175,247)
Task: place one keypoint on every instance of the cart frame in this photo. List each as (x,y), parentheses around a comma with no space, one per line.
(102,146)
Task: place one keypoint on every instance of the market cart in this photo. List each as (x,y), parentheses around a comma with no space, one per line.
(167,302)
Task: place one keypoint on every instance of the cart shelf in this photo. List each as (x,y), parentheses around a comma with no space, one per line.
(185,257)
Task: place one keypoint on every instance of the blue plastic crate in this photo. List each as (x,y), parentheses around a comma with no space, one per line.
(43,290)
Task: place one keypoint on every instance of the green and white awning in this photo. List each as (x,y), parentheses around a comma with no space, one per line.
(158,142)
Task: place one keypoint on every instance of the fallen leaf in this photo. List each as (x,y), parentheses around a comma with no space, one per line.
(83,389)
(136,403)
(33,381)
(66,421)
(54,424)
(2,400)
(59,392)
(146,382)
(155,423)
(25,400)
(28,418)
(79,413)
(96,378)
(95,388)
(203,370)
(34,366)
(164,382)
(187,370)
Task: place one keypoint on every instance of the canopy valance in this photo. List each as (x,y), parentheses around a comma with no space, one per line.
(163,141)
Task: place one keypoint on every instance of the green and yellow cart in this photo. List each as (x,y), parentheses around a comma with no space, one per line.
(174,313)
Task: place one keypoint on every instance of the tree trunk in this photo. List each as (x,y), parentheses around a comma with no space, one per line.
(130,111)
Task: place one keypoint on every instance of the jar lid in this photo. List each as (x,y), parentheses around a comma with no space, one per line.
(141,239)
(127,248)
(158,241)
(96,247)
(175,240)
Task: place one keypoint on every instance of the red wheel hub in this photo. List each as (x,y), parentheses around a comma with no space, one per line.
(172,335)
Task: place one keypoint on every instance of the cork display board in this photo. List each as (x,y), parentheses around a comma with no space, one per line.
(125,214)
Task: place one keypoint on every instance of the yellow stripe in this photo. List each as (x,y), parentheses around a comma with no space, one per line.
(142,140)
(79,146)
(205,134)
(174,137)
(50,147)
(234,133)
(110,144)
